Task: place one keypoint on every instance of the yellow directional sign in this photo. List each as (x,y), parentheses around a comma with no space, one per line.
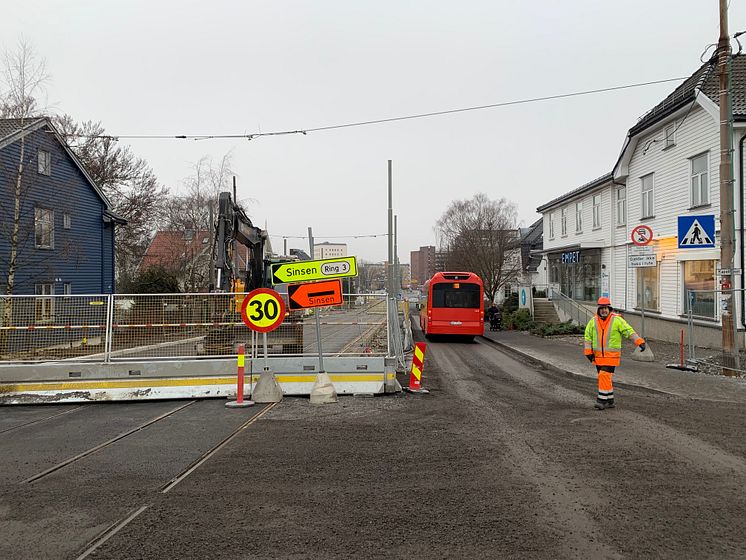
(305,271)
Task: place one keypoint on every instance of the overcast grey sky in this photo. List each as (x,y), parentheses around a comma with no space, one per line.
(220,67)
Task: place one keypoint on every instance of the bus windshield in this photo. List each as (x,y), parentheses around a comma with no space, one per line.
(456,295)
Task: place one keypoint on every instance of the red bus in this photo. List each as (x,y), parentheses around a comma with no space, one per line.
(452,303)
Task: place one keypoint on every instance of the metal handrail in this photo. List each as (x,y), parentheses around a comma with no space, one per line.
(564,302)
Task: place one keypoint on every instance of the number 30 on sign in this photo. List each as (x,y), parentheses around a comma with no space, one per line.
(263,310)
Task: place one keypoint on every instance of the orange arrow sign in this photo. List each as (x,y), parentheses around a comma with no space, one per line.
(315,294)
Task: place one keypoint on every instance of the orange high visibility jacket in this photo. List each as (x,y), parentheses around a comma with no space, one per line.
(603,339)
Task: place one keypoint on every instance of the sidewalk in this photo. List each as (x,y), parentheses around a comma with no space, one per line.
(566,354)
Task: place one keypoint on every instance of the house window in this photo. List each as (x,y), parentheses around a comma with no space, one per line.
(44,162)
(44,228)
(647,196)
(621,206)
(66,221)
(551,225)
(578,217)
(44,306)
(596,211)
(67,289)
(669,136)
(699,288)
(700,191)
(563,221)
(648,288)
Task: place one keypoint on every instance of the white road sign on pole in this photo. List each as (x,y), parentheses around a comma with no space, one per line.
(641,261)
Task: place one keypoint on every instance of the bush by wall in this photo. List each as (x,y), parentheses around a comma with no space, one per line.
(557,329)
(519,320)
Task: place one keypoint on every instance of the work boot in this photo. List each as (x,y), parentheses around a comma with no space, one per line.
(610,404)
(600,405)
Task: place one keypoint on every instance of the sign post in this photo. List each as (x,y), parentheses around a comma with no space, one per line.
(263,310)
(642,256)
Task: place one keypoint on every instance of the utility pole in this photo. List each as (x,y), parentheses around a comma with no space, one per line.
(390,267)
(727,233)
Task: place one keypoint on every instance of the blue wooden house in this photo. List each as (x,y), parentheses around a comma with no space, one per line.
(65,235)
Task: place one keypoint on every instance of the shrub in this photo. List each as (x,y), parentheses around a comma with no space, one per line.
(557,329)
(510,304)
(519,320)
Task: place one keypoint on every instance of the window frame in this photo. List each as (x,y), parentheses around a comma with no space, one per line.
(44,162)
(44,306)
(563,221)
(39,227)
(623,202)
(647,194)
(67,220)
(705,173)
(579,217)
(669,139)
(551,225)
(596,201)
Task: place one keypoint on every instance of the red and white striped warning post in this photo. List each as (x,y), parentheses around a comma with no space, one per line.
(415,374)
(239,402)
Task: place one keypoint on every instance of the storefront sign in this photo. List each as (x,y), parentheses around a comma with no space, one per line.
(571,257)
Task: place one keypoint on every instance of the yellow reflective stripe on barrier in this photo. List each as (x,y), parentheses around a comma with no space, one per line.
(181,382)
(241,360)
(416,371)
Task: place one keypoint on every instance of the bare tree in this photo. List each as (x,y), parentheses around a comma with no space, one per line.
(23,78)
(480,235)
(127,181)
(191,211)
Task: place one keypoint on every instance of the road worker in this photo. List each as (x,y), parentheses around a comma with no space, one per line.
(603,347)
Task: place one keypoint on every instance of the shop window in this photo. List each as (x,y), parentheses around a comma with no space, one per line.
(699,288)
(648,288)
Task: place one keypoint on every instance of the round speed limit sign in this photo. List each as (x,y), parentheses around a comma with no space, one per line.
(263,310)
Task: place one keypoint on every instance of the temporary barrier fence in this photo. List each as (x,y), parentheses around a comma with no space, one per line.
(704,338)
(134,327)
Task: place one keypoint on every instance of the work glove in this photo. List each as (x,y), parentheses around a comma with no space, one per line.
(642,347)
(590,357)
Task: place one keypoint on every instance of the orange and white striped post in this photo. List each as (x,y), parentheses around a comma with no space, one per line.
(239,402)
(415,374)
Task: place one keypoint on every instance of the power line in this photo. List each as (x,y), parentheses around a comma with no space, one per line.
(330,236)
(253,135)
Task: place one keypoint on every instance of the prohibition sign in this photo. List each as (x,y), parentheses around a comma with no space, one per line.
(263,310)
(642,235)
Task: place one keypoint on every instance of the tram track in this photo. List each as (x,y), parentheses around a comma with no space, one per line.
(100,446)
(133,514)
(39,420)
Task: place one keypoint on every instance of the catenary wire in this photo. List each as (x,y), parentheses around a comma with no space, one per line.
(251,136)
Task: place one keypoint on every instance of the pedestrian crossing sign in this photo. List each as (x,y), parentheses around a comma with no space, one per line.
(696,232)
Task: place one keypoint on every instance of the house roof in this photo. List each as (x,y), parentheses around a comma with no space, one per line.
(572,194)
(8,127)
(169,247)
(705,79)
(12,130)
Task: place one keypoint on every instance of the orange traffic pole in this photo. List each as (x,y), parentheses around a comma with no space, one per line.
(239,402)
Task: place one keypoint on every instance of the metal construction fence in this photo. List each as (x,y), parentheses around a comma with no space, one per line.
(703,334)
(127,327)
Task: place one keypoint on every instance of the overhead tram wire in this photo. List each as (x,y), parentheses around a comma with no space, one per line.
(254,135)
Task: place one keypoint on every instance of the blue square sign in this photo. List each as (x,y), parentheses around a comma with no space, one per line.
(696,232)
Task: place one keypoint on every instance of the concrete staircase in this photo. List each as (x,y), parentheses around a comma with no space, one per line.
(544,311)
